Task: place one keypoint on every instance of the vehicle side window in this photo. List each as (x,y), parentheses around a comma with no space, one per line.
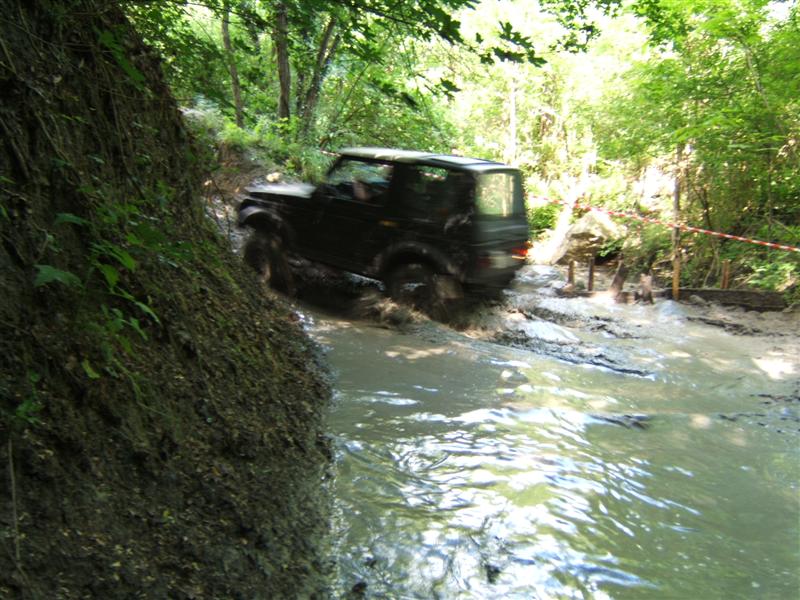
(433,190)
(361,181)
(499,195)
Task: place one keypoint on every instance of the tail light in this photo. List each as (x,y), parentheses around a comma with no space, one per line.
(521,252)
(503,259)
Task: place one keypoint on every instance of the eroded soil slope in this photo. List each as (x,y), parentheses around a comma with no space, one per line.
(160,430)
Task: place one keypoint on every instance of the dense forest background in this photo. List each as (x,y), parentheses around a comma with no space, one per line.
(683,111)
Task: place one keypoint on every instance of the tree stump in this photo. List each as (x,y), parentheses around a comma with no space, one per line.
(645,291)
(619,280)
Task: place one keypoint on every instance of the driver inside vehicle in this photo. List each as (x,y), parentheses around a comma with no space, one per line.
(361,191)
(371,181)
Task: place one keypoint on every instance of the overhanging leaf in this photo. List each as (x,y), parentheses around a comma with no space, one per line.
(110,273)
(107,39)
(147,310)
(124,258)
(89,370)
(49,274)
(70,218)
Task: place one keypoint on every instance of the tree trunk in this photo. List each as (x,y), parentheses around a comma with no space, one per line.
(231,60)
(281,37)
(511,146)
(325,52)
(299,85)
(703,195)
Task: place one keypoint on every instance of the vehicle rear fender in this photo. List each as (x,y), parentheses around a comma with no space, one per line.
(414,252)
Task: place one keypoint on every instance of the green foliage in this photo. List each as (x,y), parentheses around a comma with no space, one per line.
(26,412)
(46,274)
(69,218)
(268,142)
(89,369)
(764,268)
(24,399)
(310,164)
(121,231)
(320,38)
(719,80)
(646,246)
(775,275)
(611,247)
(366,113)
(342,61)
(717,106)
(542,218)
(192,56)
(242,139)
(611,189)
(109,39)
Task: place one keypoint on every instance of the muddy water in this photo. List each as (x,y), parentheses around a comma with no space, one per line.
(468,468)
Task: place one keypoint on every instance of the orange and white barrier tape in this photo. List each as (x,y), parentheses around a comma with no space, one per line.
(635,217)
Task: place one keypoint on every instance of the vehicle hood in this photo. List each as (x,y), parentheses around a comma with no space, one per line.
(292,190)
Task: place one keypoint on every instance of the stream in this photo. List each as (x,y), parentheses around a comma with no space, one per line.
(606,451)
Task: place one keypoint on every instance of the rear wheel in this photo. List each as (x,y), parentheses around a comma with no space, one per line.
(419,286)
(265,253)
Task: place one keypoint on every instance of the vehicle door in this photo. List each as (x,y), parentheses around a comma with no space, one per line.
(501,227)
(355,196)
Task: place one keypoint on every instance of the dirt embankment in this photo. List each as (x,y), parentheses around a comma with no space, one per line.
(160,416)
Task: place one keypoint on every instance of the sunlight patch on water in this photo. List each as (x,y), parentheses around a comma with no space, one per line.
(776,368)
(414,353)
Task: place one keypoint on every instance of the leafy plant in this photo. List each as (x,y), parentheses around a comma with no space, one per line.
(47,274)
(541,218)
(611,247)
(778,276)
(27,411)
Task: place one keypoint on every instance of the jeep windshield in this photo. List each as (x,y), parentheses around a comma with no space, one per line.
(499,194)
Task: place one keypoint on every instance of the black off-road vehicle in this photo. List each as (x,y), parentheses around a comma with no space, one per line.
(429,226)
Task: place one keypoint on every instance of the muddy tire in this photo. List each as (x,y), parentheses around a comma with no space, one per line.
(420,287)
(265,253)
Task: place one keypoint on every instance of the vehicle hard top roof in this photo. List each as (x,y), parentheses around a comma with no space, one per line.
(422,158)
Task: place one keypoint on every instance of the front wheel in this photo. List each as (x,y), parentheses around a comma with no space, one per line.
(265,253)
(419,286)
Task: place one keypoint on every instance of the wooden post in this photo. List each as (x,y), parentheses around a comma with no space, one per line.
(676,278)
(726,274)
(590,282)
(676,232)
(571,273)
